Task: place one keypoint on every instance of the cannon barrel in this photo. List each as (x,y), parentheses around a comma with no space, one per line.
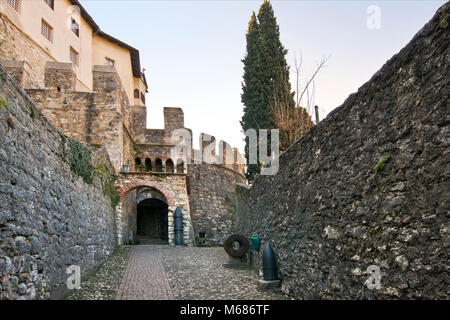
(269,262)
(178,226)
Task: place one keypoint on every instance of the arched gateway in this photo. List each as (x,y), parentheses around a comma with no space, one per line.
(152,217)
(146,208)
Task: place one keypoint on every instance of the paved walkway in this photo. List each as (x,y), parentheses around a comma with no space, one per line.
(161,272)
(144,278)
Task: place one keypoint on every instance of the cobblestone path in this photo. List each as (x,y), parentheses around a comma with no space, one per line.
(158,272)
(144,278)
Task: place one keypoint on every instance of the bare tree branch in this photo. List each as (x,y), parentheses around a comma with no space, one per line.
(320,66)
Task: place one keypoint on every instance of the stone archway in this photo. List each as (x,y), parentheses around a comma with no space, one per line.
(170,190)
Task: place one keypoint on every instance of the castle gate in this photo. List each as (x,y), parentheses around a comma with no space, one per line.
(152,217)
(147,204)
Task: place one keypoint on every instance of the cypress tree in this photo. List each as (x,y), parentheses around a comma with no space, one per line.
(266,74)
(273,56)
(251,87)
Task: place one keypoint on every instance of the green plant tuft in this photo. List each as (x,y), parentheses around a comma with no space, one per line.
(109,189)
(33,113)
(80,160)
(382,162)
(4,104)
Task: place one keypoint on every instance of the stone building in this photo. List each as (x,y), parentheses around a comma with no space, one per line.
(91,87)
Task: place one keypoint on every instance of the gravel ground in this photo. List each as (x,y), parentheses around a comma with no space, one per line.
(197,273)
(103,283)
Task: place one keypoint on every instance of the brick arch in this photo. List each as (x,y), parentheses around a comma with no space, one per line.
(133,184)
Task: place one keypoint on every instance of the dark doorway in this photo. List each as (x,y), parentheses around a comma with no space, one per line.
(152,220)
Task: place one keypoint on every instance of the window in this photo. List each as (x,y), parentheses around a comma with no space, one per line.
(137,164)
(142,98)
(75,27)
(15,4)
(180,166)
(109,62)
(74,57)
(46,30)
(169,166)
(136,94)
(51,3)
(158,165)
(148,164)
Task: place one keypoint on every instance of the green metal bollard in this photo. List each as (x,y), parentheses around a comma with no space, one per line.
(255,243)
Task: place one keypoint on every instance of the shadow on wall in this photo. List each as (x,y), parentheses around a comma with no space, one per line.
(367,187)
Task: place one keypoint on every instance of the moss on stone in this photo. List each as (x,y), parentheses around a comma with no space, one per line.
(4,104)
(33,113)
(316,169)
(445,17)
(109,189)
(382,162)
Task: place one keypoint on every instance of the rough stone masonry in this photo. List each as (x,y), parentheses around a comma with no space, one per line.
(49,217)
(369,185)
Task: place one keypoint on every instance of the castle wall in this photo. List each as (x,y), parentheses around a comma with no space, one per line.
(49,217)
(139,119)
(212,201)
(98,118)
(368,185)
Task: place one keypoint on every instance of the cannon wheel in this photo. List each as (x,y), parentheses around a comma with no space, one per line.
(244,245)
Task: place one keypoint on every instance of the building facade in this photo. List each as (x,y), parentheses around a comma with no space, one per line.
(91,87)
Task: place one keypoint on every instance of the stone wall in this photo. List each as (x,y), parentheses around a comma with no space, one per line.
(211,189)
(49,217)
(98,118)
(369,185)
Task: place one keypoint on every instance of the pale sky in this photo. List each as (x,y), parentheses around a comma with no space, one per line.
(192,50)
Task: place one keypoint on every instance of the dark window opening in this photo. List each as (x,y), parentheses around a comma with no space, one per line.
(180,166)
(158,165)
(202,235)
(136,93)
(138,164)
(142,98)
(75,27)
(169,166)
(148,164)
(51,3)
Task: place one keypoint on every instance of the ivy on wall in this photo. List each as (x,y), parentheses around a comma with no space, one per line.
(80,160)
(109,190)
(80,157)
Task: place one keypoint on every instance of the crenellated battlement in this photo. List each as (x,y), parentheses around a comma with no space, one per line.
(98,118)
(158,144)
